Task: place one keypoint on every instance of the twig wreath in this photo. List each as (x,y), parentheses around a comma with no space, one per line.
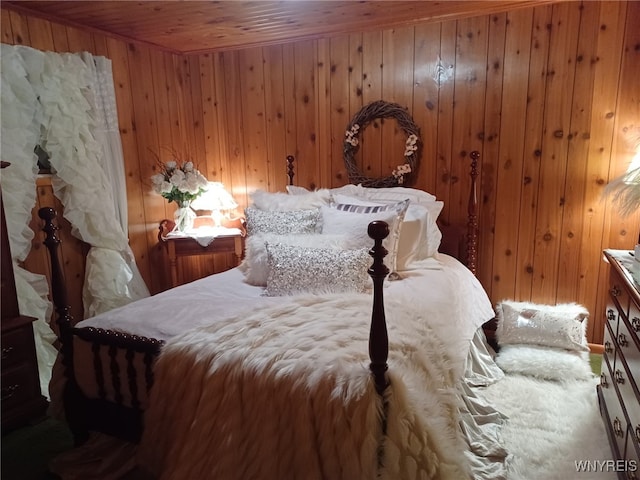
(381,109)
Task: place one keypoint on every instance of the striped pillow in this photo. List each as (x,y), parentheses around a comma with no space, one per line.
(353,220)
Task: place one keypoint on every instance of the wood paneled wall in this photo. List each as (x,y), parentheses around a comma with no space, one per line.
(546,94)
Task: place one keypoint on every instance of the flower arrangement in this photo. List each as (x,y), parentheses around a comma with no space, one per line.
(179,182)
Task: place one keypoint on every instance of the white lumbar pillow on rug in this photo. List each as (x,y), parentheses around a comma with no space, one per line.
(544,362)
(560,326)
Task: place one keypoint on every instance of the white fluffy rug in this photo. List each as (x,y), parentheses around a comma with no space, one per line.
(552,426)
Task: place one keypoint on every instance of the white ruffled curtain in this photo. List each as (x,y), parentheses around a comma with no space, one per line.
(66,104)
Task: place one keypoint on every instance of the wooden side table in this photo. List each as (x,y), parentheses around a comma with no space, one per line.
(226,240)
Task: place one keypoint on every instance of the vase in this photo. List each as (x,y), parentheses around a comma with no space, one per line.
(184,217)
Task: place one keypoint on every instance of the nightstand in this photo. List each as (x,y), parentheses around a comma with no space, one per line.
(200,241)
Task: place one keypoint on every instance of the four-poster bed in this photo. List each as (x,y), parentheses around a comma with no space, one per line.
(122,362)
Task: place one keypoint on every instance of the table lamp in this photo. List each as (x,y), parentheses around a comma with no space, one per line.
(216,200)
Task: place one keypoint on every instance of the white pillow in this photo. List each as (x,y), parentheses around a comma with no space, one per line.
(353,222)
(283,202)
(296,269)
(355,200)
(419,239)
(557,326)
(399,193)
(255,264)
(280,222)
(419,235)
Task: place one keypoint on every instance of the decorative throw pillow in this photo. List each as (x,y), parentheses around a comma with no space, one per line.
(256,265)
(419,236)
(556,326)
(281,222)
(284,202)
(294,269)
(544,363)
(353,221)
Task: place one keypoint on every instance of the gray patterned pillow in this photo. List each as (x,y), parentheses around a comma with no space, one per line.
(281,222)
(297,269)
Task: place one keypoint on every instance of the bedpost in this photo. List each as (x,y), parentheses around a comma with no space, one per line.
(73,411)
(58,289)
(378,338)
(472,223)
(290,173)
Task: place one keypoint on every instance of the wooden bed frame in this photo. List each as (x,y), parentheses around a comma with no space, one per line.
(114,418)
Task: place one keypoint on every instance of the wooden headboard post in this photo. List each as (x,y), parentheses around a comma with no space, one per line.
(290,174)
(64,322)
(472,219)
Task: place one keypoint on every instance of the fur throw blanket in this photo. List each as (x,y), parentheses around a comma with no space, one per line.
(285,392)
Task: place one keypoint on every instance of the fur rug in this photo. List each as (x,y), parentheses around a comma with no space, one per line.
(544,363)
(551,426)
(298,398)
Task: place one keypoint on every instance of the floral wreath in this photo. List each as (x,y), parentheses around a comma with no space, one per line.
(382,109)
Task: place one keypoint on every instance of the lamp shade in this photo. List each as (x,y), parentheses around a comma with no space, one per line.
(214,198)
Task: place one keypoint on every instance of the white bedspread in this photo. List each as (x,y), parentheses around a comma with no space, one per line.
(285,392)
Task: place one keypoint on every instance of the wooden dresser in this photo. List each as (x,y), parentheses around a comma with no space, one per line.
(618,392)
(21,396)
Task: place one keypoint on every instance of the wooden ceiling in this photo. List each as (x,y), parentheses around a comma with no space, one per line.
(189,27)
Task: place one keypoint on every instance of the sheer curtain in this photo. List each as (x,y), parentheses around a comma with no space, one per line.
(66,104)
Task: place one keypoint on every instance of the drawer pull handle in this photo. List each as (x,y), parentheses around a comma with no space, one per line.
(617,428)
(9,391)
(608,347)
(615,291)
(635,323)
(622,340)
(619,377)
(638,433)
(611,315)
(5,352)
(604,383)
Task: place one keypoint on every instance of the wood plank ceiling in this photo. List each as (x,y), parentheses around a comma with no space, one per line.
(193,27)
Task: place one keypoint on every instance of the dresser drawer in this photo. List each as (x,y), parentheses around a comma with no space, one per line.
(617,420)
(629,352)
(20,384)
(631,464)
(610,346)
(17,346)
(634,319)
(618,293)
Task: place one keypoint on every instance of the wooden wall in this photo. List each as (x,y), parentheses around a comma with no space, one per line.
(546,94)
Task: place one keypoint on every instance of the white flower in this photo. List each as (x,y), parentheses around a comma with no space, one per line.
(179,183)
(157,180)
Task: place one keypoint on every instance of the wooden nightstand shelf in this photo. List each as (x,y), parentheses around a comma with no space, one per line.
(619,392)
(209,241)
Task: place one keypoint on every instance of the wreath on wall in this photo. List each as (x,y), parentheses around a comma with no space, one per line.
(403,173)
